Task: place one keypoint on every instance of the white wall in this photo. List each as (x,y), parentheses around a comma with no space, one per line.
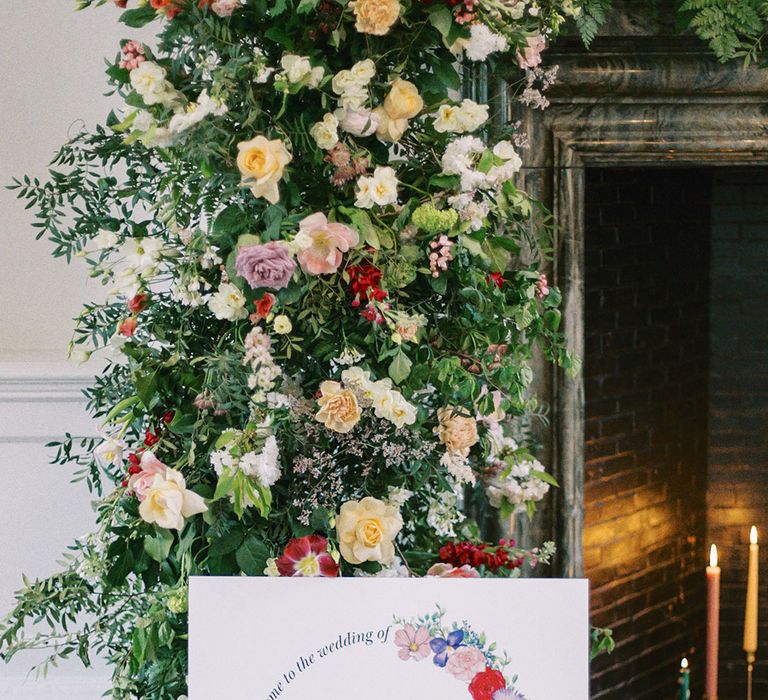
(52,73)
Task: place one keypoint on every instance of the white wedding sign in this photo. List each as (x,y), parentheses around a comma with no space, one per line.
(379,639)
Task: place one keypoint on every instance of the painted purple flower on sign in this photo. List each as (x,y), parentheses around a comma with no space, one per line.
(444,646)
(413,643)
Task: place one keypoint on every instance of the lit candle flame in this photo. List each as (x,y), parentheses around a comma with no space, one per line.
(684,664)
(753,535)
(713,555)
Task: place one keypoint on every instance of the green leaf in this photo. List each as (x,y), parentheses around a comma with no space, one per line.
(120,569)
(138,17)
(400,367)
(441,18)
(146,385)
(252,556)
(545,477)
(158,546)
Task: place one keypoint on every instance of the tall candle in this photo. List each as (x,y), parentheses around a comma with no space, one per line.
(713,623)
(750,615)
(684,680)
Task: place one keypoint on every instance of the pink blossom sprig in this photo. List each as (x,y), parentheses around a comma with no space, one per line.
(441,254)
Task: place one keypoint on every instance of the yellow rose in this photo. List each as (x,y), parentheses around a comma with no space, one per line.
(375,16)
(261,163)
(389,129)
(168,501)
(457,432)
(339,409)
(403,100)
(366,530)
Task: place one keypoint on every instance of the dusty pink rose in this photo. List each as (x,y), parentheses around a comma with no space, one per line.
(443,570)
(413,643)
(151,466)
(327,242)
(530,56)
(465,663)
(358,122)
(224,8)
(265,265)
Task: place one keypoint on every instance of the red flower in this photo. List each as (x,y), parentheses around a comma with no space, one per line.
(127,327)
(137,303)
(497,278)
(307,556)
(168,416)
(486,683)
(492,557)
(169,7)
(264,305)
(364,280)
(150,438)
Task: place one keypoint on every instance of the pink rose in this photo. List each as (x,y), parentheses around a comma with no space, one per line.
(465,663)
(151,466)
(358,122)
(224,8)
(267,265)
(326,243)
(530,57)
(443,570)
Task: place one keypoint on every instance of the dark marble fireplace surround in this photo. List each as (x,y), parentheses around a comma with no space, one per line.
(644,98)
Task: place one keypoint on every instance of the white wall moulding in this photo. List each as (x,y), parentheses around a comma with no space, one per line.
(40,401)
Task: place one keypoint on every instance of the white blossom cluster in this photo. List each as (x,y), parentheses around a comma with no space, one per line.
(460,158)
(515,481)
(443,514)
(263,465)
(387,403)
(265,370)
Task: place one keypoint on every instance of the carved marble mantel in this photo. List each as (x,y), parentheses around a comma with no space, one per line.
(640,100)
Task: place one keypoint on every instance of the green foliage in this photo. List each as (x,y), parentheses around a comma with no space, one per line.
(592,17)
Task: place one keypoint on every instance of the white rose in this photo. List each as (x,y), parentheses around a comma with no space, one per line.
(343,81)
(363,71)
(282,325)
(354,98)
(447,119)
(148,80)
(505,150)
(228,303)
(297,68)
(325,132)
(472,115)
(362,122)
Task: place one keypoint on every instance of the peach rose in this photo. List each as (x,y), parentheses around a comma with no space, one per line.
(375,16)
(151,466)
(456,431)
(328,243)
(388,129)
(339,410)
(261,163)
(403,100)
(366,530)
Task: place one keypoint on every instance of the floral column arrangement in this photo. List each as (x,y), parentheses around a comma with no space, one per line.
(317,316)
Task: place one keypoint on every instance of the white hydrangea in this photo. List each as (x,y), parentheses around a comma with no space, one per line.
(483,42)
(264,466)
(519,487)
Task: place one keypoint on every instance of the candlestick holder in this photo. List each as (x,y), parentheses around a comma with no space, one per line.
(750,669)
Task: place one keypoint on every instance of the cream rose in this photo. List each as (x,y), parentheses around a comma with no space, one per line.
(366,530)
(168,501)
(339,410)
(261,163)
(456,431)
(403,100)
(375,16)
(326,133)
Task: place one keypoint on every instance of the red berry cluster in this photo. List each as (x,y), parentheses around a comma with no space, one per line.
(492,557)
(326,19)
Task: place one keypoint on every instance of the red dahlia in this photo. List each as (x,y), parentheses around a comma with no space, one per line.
(486,683)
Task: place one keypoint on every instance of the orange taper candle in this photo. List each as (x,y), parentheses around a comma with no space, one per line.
(750,615)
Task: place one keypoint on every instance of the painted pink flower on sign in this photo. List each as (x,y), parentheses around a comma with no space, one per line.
(413,643)
(465,663)
(327,241)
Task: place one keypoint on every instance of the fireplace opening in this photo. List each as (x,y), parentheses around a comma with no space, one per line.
(676,409)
